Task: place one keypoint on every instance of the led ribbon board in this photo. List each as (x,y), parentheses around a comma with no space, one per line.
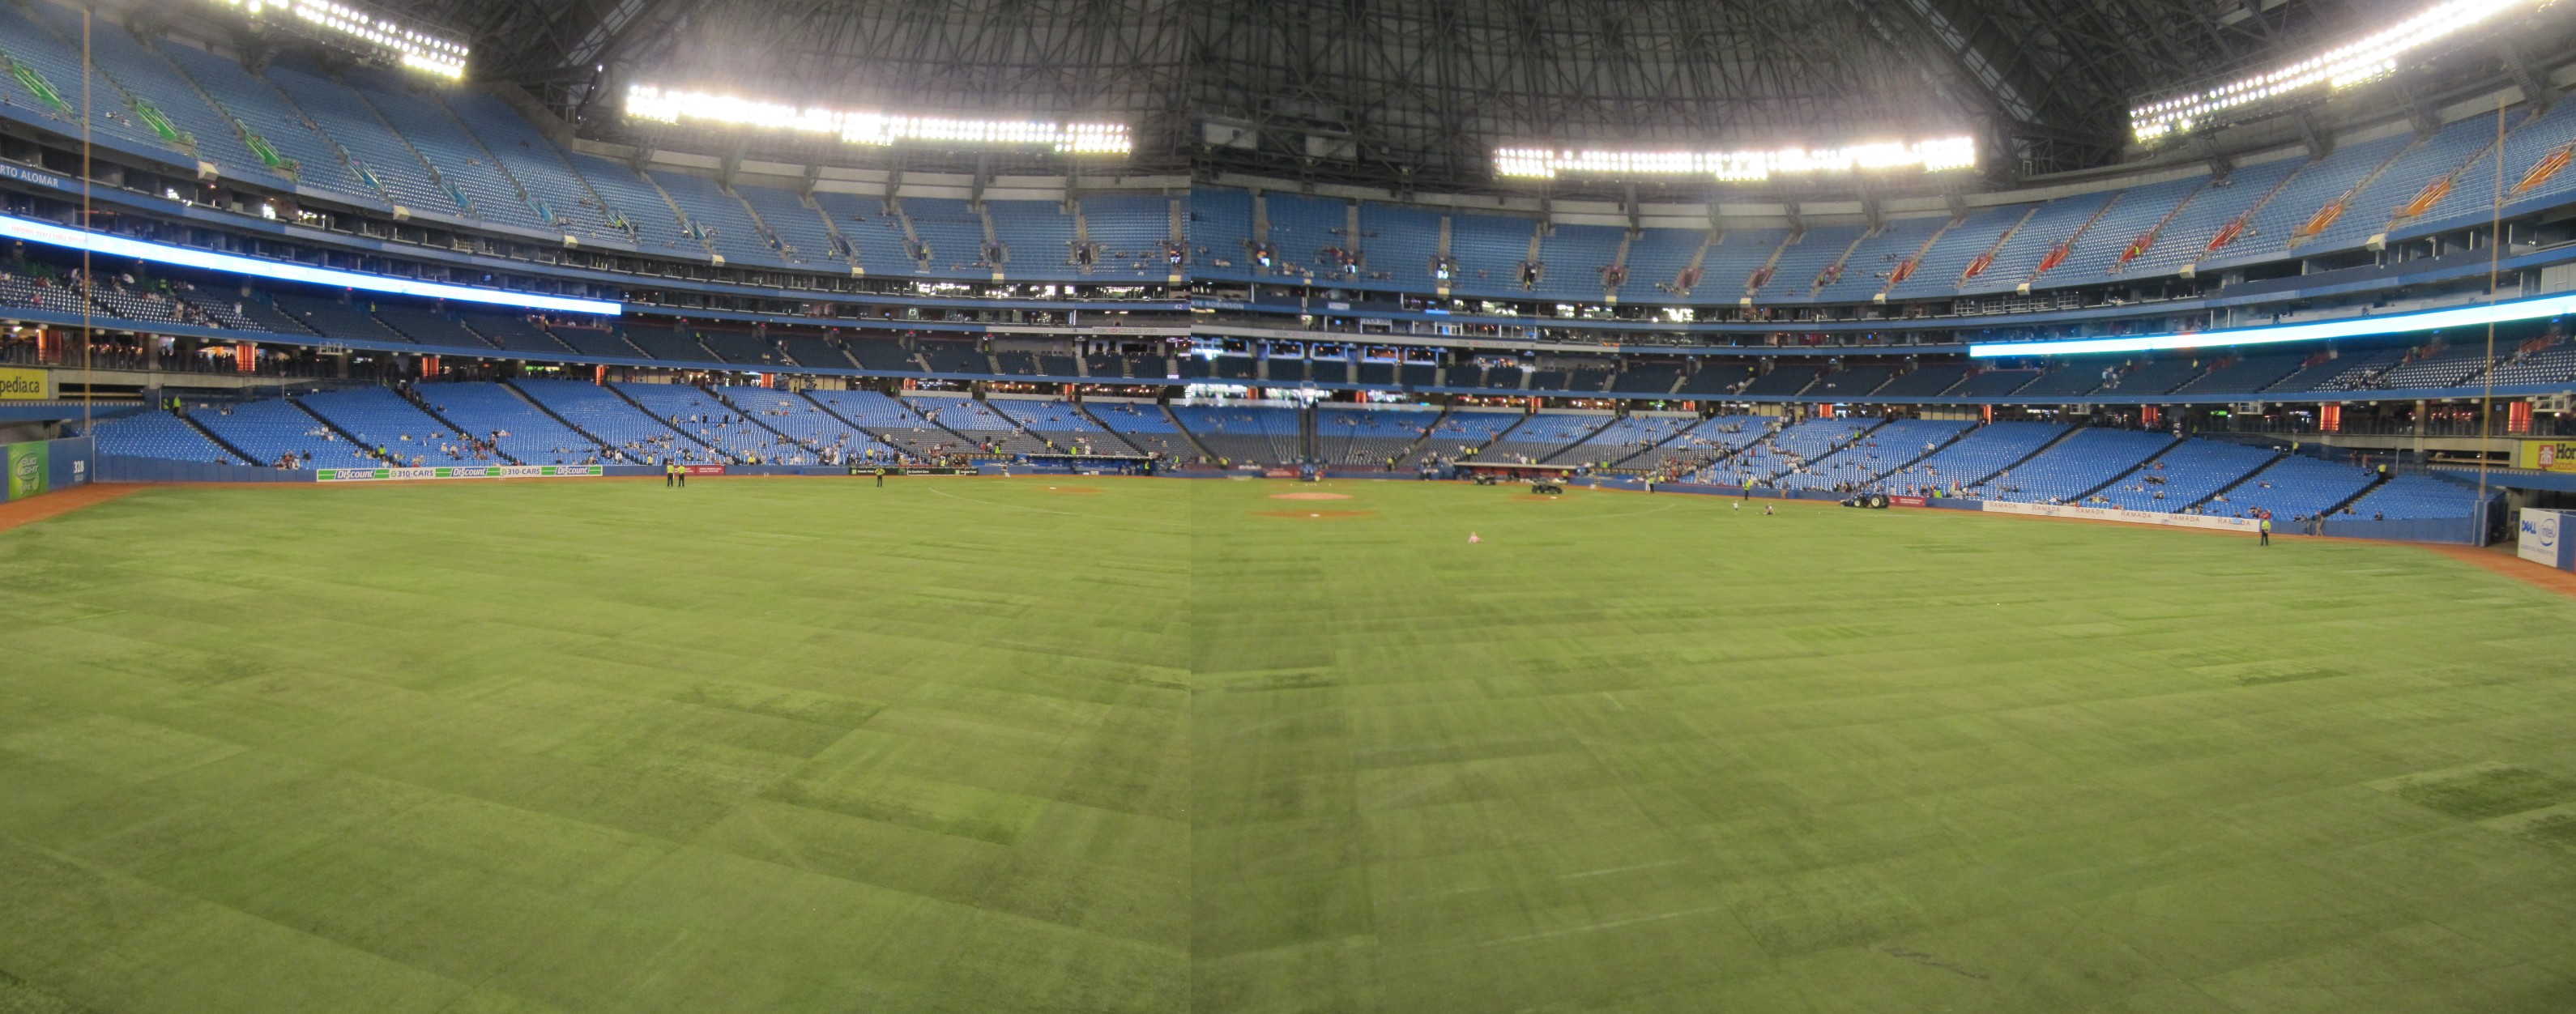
(2371,57)
(1932,156)
(50,234)
(645,102)
(2361,327)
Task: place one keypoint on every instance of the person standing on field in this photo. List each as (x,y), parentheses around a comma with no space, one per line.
(2264,528)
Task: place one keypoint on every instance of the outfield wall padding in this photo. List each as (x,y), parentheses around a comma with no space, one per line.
(37,467)
(118,468)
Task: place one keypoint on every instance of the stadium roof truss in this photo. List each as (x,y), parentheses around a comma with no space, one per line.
(1419,93)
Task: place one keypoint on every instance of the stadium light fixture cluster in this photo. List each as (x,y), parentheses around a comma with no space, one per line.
(2361,327)
(47,233)
(1936,155)
(645,102)
(2370,58)
(419,50)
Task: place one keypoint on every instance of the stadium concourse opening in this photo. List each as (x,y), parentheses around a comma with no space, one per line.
(1238,507)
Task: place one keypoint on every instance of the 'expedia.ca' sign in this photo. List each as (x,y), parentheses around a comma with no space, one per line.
(26,385)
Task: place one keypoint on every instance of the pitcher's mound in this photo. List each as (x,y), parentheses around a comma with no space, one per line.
(1309,496)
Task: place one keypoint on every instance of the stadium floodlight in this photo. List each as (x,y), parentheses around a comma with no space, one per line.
(1937,155)
(2356,327)
(645,102)
(49,234)
(2372,57)
(410,46)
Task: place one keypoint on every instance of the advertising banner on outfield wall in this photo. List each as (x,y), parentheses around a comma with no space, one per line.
(2131,517)
(26,385)
(43,466)
(2544,538)
(464,472)
(2547,455)
(706,469)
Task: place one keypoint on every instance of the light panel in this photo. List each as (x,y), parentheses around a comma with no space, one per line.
(2370,58)
(412,47)
(645,102)
(2359,327)
(49,234)
(1937,155)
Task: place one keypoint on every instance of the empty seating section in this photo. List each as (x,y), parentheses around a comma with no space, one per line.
(1716,378)
(665,344)
(267,114)
(1049,416)
(2055,222)
(954,357)
(1543,435)
(1980,453)
(1143,426)
(1994,383)
(2183,476)
(378,417)
(1924,381)
(1399,242)
(1368,436)
(2525,147)
(1948,261)
(952,236)
(330,318)
(2352,371)
(2267,232)
(699,415)
(268,431)
(991,430)
(1804,262)
(373,146)
(1851,382)
(1302,228)
(815,352)
(890,421)
(1623,439)
(457,158)
(2125,222)
(498,416)
(560,196)
(2292,489)
(804,239)
(596,341)
(1243,434)
(1784,379)
(2069,379)
(1458,435)
(57,61)
(2415,168)
(427,326)
(2074,466)
(1221,231)
(1037,235)
(1574,256)
(1489,250)
(599,412)
(159,435)
(631,206)
(1708,440)
(875,235)
(2158,376)
(2187,238)
(1794,448)
(513,332)
(721,221)
(1130,230)
(1866,272)
(1728,268)
(2414,497)
(2244,375)
(1874,454)
(2553,364)
(830,439)
(740,347)
(140,72)
(2451,366)
(1656,259)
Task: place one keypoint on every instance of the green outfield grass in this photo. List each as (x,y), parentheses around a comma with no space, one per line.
(983,745)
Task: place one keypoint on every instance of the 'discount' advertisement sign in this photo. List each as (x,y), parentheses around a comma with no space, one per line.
(2545,538)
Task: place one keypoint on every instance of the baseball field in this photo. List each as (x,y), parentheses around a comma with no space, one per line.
(1072,744)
